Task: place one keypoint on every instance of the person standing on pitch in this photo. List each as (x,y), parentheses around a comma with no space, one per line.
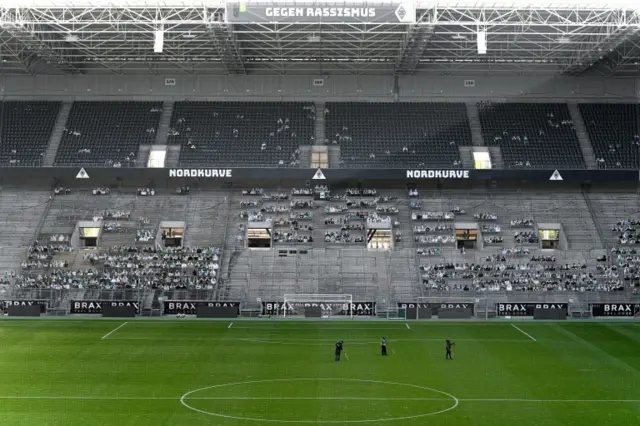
(339,349)
(383,346)
(449,345)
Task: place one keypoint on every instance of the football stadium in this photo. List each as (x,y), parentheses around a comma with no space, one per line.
(298,212)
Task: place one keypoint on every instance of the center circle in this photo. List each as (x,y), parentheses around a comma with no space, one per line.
(226,399)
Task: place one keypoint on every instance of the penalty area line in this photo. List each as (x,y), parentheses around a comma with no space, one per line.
(524,332)
(407,326)
(114,330)
(230,324)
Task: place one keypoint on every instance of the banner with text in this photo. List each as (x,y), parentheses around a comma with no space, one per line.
(615,309)
(95,306)
(527,309)
(4,304)
(241,12)
(288,308)
(173,307)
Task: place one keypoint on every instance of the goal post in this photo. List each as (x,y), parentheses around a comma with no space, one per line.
(329,304)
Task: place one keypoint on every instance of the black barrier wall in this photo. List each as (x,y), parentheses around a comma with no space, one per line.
(118,311)
(549,314)
(455,313)
(206,311)
(313,312)
(24,310)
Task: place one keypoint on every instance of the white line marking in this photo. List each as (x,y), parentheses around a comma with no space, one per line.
(307,398)
(230,324)
(523,332)
(311,341)
(114,330)
(407,326)
(345,355)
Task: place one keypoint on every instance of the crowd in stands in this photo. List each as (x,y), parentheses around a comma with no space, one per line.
(532,276)
(124,267)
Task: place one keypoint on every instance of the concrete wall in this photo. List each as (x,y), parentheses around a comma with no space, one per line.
(421,87)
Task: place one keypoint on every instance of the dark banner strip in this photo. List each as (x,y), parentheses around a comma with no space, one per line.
(91,176)
(4,304)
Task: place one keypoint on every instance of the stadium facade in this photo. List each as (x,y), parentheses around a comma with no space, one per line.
(273,187)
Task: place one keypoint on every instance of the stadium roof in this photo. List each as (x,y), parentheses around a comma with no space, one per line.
(117,36)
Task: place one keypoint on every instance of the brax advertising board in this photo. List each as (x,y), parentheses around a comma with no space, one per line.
(95,306)
(357,308)
(615,309)
(527,309)
(173,307)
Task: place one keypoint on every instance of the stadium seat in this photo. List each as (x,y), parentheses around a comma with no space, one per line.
(398,135)
(241,134)
(107,133)
(531,135)
(25,131)
(614,131)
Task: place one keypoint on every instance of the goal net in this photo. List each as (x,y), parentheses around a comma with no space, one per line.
(326,305)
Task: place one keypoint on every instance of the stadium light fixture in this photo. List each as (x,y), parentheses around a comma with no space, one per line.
(482,42)
(159,41)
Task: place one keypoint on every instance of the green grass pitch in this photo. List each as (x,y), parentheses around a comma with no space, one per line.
(196,373)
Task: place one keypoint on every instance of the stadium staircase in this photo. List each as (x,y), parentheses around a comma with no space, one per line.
(305,156)
(583,136)
(334,156)
(165,122)
(474,124)
(20,213)
(56,134)
(173,155)
(496,157)
(206,216)
(319,125)
(143,155)
(466,155)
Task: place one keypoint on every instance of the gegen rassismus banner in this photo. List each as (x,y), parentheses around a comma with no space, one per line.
(403,12)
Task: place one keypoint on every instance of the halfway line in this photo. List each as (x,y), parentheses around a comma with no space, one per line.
(311,398)
(114,330)
(523,332)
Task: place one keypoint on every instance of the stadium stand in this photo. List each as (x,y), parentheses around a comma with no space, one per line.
(531,135)
(241,134)
(614,131)
(388,135)
(107,133)
(25,130)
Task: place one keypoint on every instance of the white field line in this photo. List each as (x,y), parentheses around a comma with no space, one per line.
(407,326)
(346,356)
(114,330)
(309,398)
(524,332)
(230,324)
(306,341)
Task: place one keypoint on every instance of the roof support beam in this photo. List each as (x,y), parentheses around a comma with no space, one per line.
(38,48)
(586,58)
(225,43)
